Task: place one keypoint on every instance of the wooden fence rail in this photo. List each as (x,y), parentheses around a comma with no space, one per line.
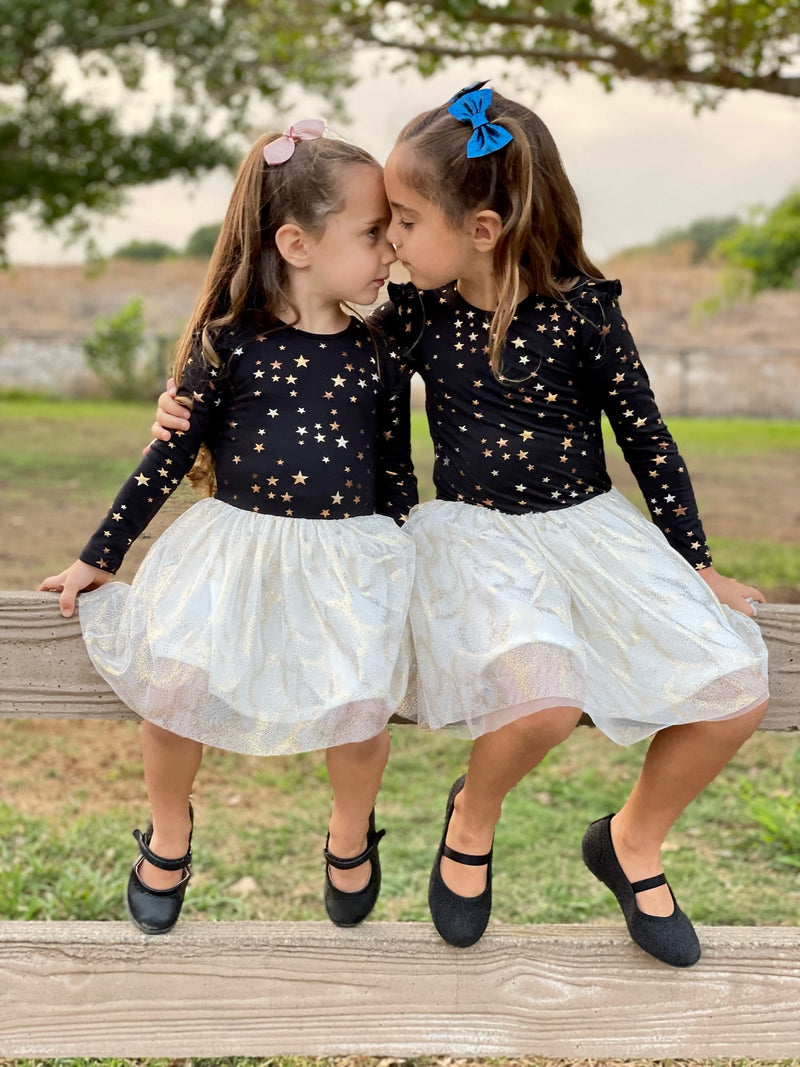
(390,989)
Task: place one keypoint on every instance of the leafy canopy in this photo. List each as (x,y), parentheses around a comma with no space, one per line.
(706,46)
(68,151)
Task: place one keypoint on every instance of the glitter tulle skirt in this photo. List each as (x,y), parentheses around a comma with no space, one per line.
(585,607)
(260,634)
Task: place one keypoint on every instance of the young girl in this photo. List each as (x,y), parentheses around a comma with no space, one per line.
(540,592)
(270,617)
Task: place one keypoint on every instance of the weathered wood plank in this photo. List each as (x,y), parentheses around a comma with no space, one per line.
(225,989)
(46,673)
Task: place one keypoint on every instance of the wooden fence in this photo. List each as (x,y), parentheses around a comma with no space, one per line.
(390,989)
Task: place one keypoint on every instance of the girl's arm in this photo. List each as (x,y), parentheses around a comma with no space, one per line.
(734,594)
(80,576)
(145,491)
(623,390)
(170,415)
(396,483)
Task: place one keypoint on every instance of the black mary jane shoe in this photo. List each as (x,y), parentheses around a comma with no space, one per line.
(670,938)
(460,921)
(350,909)
(155,911)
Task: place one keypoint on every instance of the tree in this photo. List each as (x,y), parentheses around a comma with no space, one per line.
(144,250)
(764,252)
(201,242)
(706,45)
(66,152)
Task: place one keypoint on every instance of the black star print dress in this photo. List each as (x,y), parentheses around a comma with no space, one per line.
(271,617)
(538,584)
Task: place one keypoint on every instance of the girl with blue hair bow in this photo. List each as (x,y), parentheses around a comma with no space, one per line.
(540,593)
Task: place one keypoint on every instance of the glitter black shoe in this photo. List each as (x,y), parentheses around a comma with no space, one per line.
(155,911)
(670,938)
(350,909)
(460,921)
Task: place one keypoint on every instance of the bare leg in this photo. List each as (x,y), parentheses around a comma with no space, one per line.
(498,761)
(170,766)
(680,762)
(355,772)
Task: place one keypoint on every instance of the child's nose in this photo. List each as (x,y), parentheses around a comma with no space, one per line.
(389,254)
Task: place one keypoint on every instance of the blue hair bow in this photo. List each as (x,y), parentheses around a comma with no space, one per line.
(487,137)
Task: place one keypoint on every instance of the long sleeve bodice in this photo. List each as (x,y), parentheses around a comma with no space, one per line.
(532,440)
(299,425)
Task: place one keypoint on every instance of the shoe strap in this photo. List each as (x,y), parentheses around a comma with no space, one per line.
(649,883)
(463,857)
(143,840)
(355,861)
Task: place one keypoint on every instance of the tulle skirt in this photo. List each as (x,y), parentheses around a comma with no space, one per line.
(585,607)
(260,634)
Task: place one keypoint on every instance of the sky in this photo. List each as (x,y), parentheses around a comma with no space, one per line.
(641,161)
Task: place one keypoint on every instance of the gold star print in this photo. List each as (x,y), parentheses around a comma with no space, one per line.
(337,499)
(551,397)
(338,380)
(301,361)
(141,480)
(116,516)
(680,510)
(300,478)
(258,448)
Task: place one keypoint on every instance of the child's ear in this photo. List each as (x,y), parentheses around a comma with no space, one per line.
(293,244)
(486,229)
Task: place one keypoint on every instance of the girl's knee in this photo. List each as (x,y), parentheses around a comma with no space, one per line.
(548,727)
(755,717)
(742,726)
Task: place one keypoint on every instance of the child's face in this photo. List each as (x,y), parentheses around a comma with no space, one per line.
(432,250)
(351,258)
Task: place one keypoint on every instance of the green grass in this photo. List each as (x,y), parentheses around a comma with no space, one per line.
(710,437)
(733,855)
(764,564)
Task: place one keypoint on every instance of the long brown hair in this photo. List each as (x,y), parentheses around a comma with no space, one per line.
(541,242)
(247,274)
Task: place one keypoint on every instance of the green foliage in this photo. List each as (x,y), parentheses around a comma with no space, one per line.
(703,48)
(767,247)
(68,154)
(702,234)
(144,250)
(761,253)
(117,350)
(201,242)
(67,151)
(778,813)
